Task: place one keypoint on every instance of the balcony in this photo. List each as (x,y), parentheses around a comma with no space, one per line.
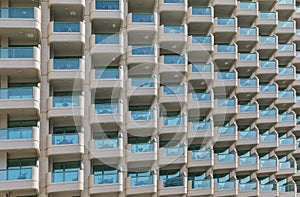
(248,62)
(106,15)
(267,118)
(224,8)
(248,138)
(11,178)
(224,161)
(172,186)
(269,189)
(170,64)
(107,78)
(172,94)
(268,141)
(285,31)
(172,11)
(227,188)
(286,53)
(24,59)
(14,20)
(173,125)
(248,163)
(141,185)
(287,144)
(286,76)
(225,56)
(106,48)
(63,144)
(225,135)
(200,158)
(26,100)
(225,82)
(203,187)
(200,19)
(249,189)
(247,12)
(286,98)
(65,181)
(66,69)
(200,103)
(64,106)
(200,48)
(20,138)
(268,166)
(287,168)
(107,149)
(225,109)
(175,155)
(267,22)
(267,70)
(224,29)
(247,88)
(267,94)
(286,121)
(202,130)
(200,75)
(172,37)
(106,184)
(141,28)
(247,114)
(288,189)
(107,113)
(285,8)
(142,54)
(246,38)
(145,87)
(142,121)
(141,155)
(267,46)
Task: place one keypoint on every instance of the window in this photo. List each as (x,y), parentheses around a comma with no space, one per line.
(22,123)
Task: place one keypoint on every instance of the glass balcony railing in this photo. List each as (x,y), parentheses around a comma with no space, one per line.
(67,138)
(66,176)
(267,64)
(107,108)
(228,185)
(285,141)
(226,157)
(286,47)
(173,151)
(174,29)
(100,179)
(201,126)
(66,64)
(284,2)
(267,15)
(142,148)
(16,93)
(141,180)
(16,52)
(16,133)
(287,188)
(66,26)
(173,182)
(297,76)
(286,117)
(226,48)
(172,90)
(227,130)
(201,184)
(17,13)
(248,56)
(248,82)
(248,134)
(248,5)
(204,11)
(248,186)
(142,115)
(142,82)
(107,39)
(268,162)
(107,73)
(248,31)
(286,24)
(201,39)
(268,113)
(65,101)
(297,31)
(142,50)
(173,121)
(142,18)
(226,21)
(106,143)
(267,39)
(201,97)
(201,68)
(24,173)
(286,94)
(286,164)
(226,102)
(226,75)
(248,160)
(268,187)
(248,108)
(268,138)
(201,154)
(174,59)
(267,88)
(173,1)
(107,5)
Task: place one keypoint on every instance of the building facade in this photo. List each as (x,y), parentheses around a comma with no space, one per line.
(156,98)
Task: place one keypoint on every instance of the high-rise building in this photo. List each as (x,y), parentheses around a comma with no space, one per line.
(149,98)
